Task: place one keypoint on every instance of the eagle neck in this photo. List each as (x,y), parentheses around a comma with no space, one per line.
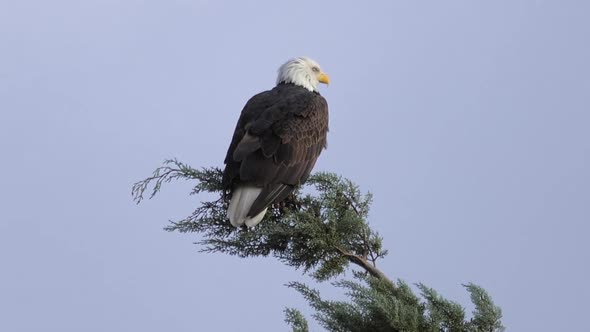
(293,85)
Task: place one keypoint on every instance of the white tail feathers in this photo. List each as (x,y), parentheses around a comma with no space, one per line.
(242,199)
(251,222)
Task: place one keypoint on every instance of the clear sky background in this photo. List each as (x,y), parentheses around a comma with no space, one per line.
(468,120)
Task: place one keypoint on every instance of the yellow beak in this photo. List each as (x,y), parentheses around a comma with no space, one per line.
(323,78)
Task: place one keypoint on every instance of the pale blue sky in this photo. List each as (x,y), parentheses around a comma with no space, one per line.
(468,120)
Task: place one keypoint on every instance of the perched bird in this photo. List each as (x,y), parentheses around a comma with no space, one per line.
(279,136)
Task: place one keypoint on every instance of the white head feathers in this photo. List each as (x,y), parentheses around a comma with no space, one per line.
(302,71)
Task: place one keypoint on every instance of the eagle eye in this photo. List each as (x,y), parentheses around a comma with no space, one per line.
(315,69)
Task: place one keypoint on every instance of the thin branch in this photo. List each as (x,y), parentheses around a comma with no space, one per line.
(358,260)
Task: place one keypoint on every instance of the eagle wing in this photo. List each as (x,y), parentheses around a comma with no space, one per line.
(277,140)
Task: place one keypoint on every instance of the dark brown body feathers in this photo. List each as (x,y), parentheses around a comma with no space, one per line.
(278,138)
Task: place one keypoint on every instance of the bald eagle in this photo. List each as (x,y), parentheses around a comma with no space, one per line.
(279,136)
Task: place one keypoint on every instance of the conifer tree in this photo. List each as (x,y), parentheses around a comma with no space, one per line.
(322,228)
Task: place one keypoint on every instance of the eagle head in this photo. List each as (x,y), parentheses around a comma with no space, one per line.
(304,72)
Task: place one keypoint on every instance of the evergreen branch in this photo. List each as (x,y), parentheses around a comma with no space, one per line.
(208,179)
(360,261)
(486,316)
(322,234)
(295,318)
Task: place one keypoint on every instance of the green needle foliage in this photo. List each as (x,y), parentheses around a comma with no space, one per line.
(322,228)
